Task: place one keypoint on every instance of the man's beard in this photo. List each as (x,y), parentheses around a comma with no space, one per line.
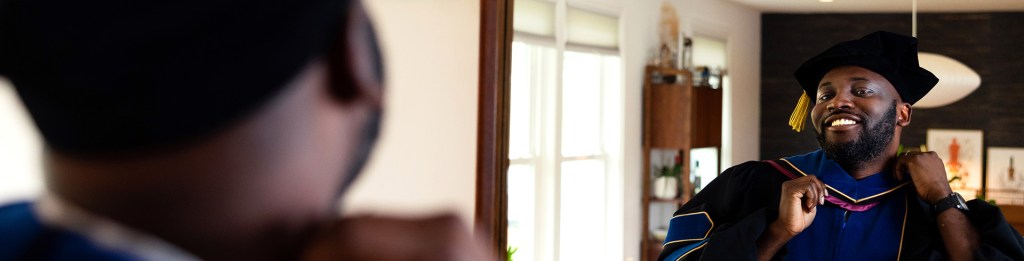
(870,145)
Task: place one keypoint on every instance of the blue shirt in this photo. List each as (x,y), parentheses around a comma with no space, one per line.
(841,234)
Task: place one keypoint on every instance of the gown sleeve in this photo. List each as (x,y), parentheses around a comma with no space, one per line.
(999,240)
(724,220)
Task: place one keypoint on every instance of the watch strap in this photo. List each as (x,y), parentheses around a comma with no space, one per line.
(954,200)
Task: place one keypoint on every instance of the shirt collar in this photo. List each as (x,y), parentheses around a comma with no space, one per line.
(828,171)
(54,212)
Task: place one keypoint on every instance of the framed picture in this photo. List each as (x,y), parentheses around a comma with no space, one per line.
(961,151)
(1005,182)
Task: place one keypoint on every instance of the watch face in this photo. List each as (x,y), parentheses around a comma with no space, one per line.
(961,204)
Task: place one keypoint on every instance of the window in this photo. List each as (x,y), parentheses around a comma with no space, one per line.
(566,121)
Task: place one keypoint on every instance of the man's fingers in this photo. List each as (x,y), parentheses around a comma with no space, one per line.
(811,195)
(809,191)
(809,200)
(898,168)
(383,238)
(817,193)
(822,191)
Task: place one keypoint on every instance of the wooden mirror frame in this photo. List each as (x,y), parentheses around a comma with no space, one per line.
(492,123)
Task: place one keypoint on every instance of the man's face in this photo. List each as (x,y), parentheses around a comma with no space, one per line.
(855,114)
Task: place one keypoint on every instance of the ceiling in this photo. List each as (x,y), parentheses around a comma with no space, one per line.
(882,6)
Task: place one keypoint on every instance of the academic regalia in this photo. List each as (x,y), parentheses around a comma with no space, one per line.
(24,237)
(876,218)
(49,229)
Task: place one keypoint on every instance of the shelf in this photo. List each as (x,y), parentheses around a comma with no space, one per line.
(669,71)
(677,117)
(678,201)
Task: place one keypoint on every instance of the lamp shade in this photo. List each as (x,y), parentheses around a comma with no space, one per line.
(956,80)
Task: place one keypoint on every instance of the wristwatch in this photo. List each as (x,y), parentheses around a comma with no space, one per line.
(954,200)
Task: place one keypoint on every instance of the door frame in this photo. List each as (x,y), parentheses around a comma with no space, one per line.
(491,216)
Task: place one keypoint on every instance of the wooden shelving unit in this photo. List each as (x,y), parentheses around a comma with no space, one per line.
(1014,215)
(677,116)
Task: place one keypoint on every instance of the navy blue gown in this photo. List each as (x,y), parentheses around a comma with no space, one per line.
(876,218)
(24,237)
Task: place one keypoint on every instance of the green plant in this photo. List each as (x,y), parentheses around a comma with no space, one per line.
(665,171)
(511,250)
(662,171)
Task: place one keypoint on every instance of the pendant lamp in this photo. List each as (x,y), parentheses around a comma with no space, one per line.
(956,80)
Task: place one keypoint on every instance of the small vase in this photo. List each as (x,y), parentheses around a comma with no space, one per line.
(666,187)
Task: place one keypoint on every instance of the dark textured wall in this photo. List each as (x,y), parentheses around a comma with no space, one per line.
(990,43)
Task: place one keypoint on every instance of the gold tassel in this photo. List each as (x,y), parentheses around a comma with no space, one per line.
(799,117)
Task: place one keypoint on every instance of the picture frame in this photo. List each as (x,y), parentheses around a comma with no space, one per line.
(1005,180)
(961,152)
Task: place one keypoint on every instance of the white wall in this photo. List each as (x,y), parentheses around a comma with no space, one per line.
(426,158)
(740,26)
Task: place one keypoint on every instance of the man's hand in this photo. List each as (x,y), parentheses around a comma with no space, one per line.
(926,171)
(798,204)
(797,208)
(378,238)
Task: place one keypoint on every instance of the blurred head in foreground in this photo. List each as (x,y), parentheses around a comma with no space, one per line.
(223,127)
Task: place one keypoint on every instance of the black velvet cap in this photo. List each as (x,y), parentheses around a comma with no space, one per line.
(894,56)
(115,75)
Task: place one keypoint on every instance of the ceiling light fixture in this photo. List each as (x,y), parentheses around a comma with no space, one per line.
(825,1)
(956,80)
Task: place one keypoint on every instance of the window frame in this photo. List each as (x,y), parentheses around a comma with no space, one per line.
(546,157)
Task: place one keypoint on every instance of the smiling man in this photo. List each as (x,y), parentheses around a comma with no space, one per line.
(855,198)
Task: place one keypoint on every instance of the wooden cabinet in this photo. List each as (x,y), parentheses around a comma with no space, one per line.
(1014,215)
(677,117)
